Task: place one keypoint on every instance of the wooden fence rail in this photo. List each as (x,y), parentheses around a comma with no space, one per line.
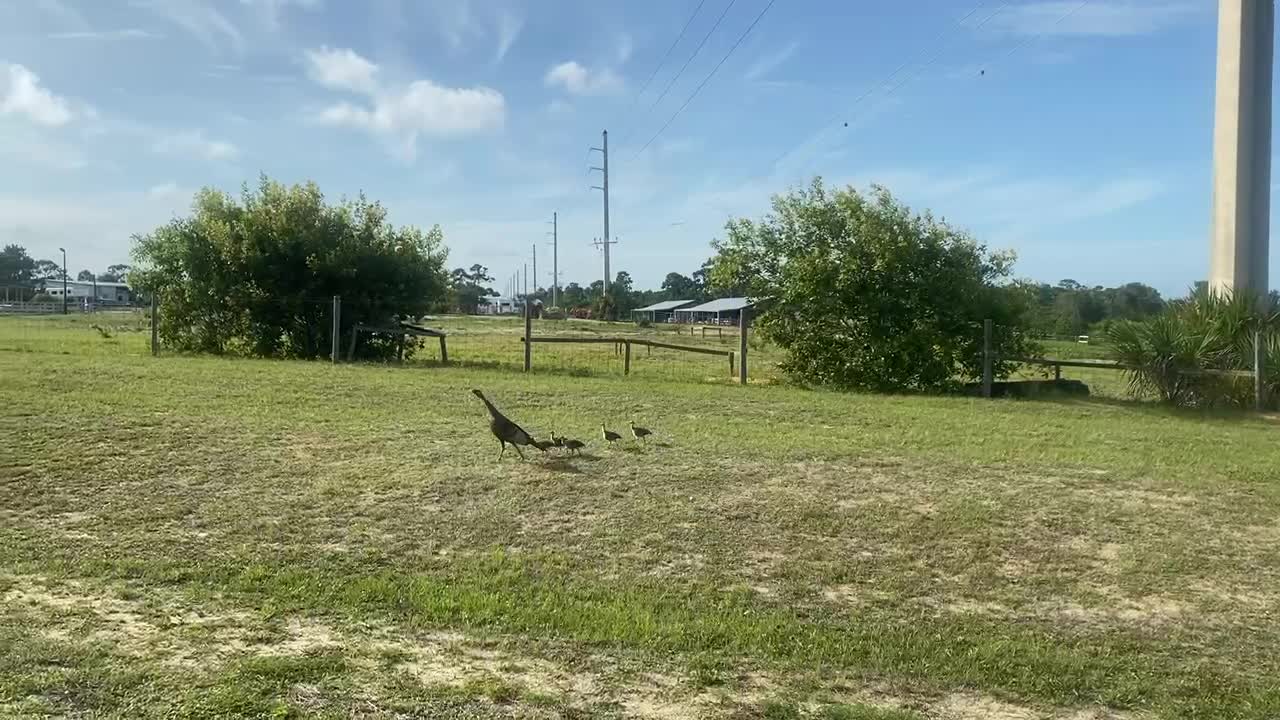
(626,343)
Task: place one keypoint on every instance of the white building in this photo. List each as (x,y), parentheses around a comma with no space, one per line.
(85,291)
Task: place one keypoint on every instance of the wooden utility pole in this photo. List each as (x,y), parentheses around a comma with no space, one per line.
(528,336)
(744,318)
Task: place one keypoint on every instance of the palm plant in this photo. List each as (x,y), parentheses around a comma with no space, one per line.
(1181,355)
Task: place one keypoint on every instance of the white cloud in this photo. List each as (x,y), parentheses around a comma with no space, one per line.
(579,80)
(342,69)
(508,29)
(403,113)
(193,143)
(1101,17)
(768,63)
(22,94)
(26,146)
(121,34)
(202,20)
(168,189)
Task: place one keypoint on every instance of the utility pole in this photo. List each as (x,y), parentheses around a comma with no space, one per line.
(526,282)
(605,189)
(555,262)
(535,268)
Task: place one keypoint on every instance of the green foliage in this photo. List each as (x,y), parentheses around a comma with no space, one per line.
(85,276)
(1069,308)
(861,293)
(469,287)
(256,275)
(1180,355)
(605,307)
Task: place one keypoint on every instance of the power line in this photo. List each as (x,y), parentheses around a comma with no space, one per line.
(666,55)
(688,60)
(707,79)
(946,32)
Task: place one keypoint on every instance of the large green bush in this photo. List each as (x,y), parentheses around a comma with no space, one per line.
(1185,356)
(862,293)
(256,275)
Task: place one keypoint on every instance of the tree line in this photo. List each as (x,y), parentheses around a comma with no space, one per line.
(469,289)
(27,278)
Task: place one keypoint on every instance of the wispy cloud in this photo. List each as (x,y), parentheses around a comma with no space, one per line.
(24,146)
(62,13)
(201,20)
(1100,17)
(770,62)
(167,189)
(508,29)
(626,46)
(193,143)
(271,11)
(402,113)
(21,93)
(577,79)
(121,34)
(342,69)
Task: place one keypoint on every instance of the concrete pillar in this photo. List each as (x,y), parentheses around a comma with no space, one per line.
(1242,146)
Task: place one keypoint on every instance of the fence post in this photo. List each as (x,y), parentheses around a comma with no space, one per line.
(1259,369)
(626,359)
(335,341)
(444,351)
(987,369)
(732,367)
(743,320)
(528,337)
(155,327)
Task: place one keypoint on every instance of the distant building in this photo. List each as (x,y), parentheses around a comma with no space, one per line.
(84,291)
(660,312)
(724,311)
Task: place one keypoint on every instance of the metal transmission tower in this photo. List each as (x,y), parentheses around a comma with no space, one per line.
(555,262)
(605,189)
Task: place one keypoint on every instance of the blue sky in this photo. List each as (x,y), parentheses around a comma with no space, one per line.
(1077,135)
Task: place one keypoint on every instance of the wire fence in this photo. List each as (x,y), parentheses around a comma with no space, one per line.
(305,329)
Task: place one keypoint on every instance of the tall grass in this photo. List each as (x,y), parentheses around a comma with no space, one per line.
(1185,355)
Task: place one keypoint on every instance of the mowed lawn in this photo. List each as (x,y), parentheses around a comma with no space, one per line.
(202,537)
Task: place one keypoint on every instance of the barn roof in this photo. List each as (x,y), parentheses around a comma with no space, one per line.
(721,305)
(664,305)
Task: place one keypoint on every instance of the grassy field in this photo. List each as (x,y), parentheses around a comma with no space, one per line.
(203,537)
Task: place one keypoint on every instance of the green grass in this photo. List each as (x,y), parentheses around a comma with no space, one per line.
(218,538)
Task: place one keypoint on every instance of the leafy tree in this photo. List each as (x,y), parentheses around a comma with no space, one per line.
(17,269)
(255,274)
(681,287)
(86,276)
(861,293)
(469,286)
(115,273)
(46,271)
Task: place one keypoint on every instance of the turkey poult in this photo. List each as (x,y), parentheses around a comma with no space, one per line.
(609,436)
(504,429)
(639,433)
(573,446)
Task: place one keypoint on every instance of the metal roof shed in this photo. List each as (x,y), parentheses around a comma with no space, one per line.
(663,308)
(717,310)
